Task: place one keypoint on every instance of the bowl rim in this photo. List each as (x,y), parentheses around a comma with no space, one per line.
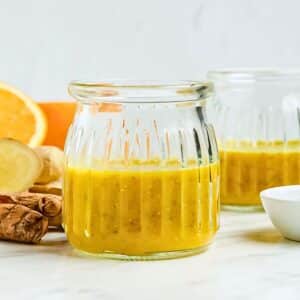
(265,194)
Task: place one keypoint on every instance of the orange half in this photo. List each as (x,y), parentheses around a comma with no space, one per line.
(59,116)
(20,117)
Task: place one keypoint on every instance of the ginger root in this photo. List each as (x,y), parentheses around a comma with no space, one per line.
(53,162)
(55,221)
(22,224)
(47,204)
(20,166)
(25,216)
(50,205)
(54,188)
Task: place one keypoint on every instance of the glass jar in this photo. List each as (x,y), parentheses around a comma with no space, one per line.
(257,118)
(142,170)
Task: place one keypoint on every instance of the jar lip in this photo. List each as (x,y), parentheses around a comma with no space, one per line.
(253,75)
(151,91)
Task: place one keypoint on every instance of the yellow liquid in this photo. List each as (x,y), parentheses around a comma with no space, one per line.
(140,212)
(247,170)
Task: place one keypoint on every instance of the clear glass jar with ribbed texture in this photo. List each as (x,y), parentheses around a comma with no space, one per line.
(256,114)
(142,170)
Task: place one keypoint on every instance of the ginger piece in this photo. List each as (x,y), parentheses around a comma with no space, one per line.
(55,221)
(50,205)
(53,162)
(47,204)
(54,187)
(22,224)
(20,166)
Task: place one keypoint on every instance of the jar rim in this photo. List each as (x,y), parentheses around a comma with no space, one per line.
(150,91)
(253,75)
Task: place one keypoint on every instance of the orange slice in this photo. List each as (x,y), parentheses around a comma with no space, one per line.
(20,117)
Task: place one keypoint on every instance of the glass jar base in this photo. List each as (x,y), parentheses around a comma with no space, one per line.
(241,208)
(147,257)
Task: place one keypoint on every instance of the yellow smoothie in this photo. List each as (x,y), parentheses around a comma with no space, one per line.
(142,209)
(247,170)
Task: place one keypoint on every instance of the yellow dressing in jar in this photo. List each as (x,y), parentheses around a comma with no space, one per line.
(141,209)
(246,169)
(141,178)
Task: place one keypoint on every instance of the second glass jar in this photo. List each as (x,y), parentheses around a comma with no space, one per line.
(257,118)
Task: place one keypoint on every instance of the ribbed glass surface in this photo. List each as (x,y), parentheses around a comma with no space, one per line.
(141,179)
(257,119)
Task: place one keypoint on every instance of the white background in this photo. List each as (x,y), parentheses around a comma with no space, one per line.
(46,43)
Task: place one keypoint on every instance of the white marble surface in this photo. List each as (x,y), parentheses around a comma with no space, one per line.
(249,260)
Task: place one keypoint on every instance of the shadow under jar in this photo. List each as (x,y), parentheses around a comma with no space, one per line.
(142,170)
(256,114)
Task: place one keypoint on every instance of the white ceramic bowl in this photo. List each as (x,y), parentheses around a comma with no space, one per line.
(282,205)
